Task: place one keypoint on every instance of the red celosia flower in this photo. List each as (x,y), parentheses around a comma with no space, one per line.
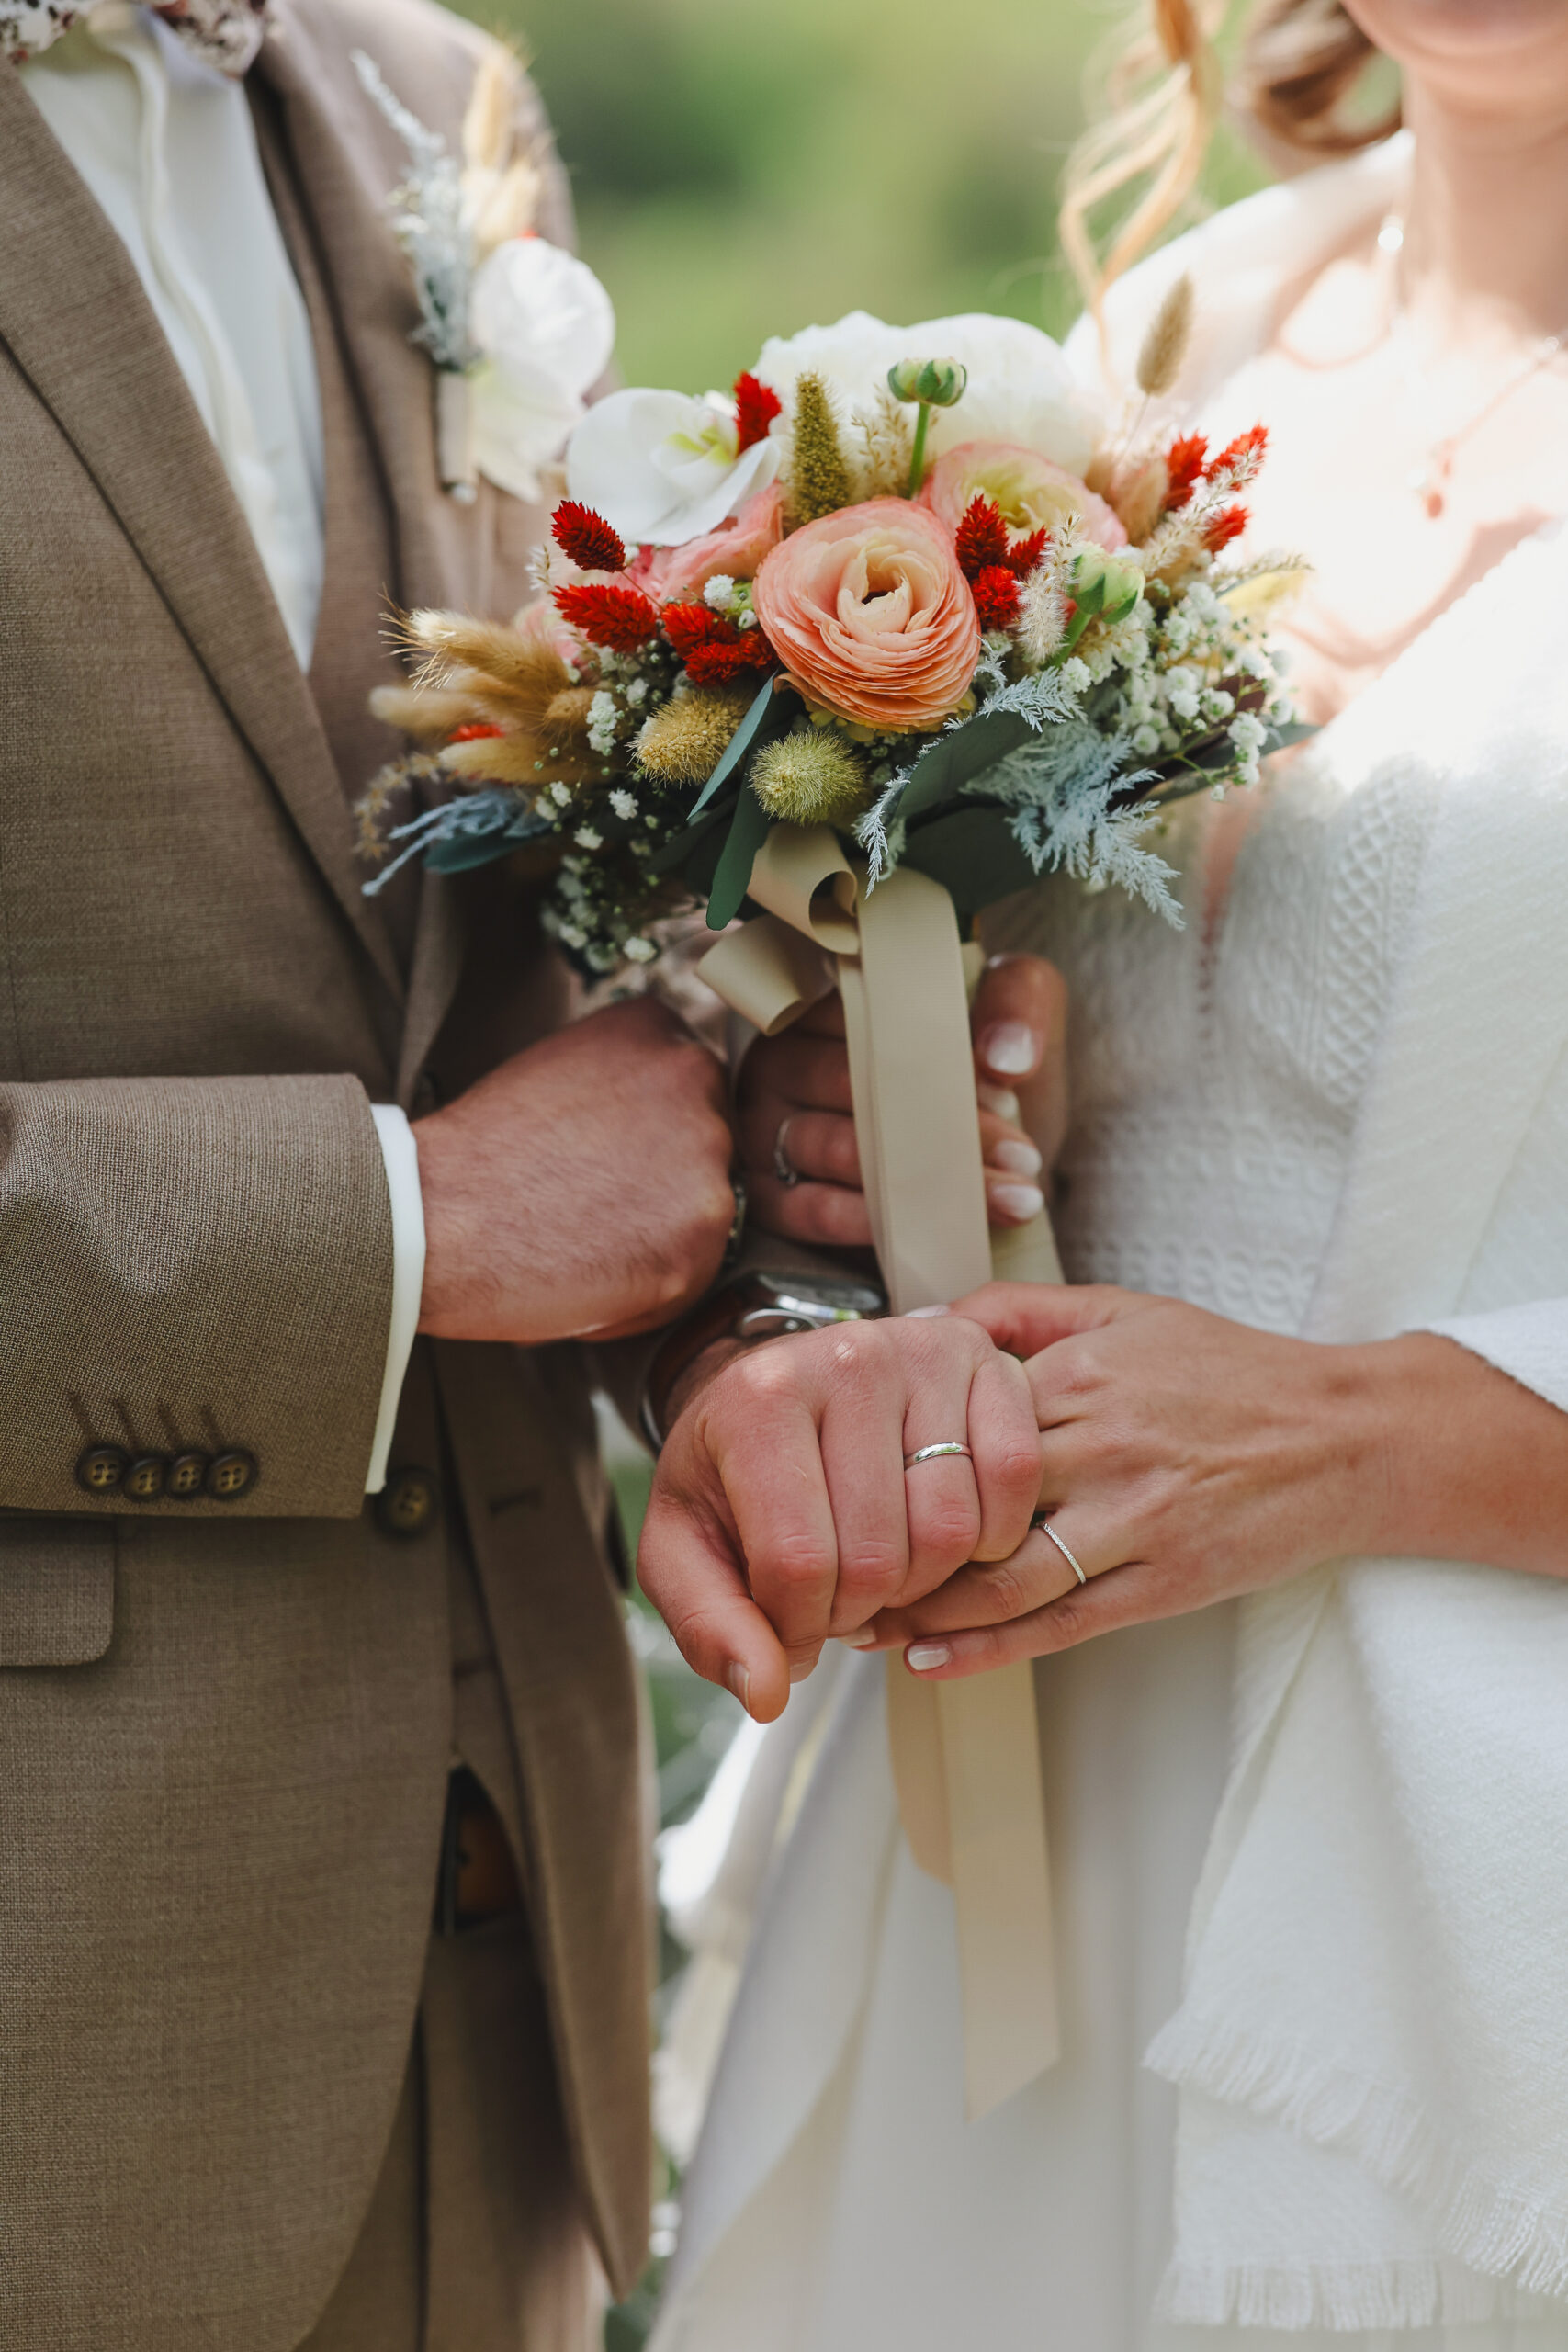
(1227,525)
(755,409)
(587,538)
(981,542)
(996,597)
(608,612)
(1240,458)
(474,733)
(1184,463)
(1025,555)
(714,651)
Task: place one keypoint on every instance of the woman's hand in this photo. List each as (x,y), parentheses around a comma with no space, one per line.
(1184,1459)
(782,1511)
(1187,1459)
(794,1109)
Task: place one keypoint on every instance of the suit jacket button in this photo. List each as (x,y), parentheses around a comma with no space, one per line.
(102,1468)
(231,1475)
(407,1503)
(187,1476)
(146,1478)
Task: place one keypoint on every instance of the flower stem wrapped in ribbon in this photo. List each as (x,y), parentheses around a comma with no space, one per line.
(853,681)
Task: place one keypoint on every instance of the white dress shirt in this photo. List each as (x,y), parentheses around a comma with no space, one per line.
(166,145)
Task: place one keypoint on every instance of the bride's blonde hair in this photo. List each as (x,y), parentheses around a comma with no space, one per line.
(1166,88)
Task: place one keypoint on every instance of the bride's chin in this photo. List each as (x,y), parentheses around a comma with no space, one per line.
(1415,30)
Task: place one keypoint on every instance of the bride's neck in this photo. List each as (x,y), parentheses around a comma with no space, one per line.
(1486,234)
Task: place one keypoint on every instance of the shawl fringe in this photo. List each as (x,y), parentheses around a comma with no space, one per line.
(1490,2226)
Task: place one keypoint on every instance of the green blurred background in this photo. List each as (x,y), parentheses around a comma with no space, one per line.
(744,170)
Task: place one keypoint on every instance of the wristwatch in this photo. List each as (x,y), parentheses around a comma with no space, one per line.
(749,1307)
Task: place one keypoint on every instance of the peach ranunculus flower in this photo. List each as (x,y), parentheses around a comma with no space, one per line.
(870,616)
(1029,489)
(733,551)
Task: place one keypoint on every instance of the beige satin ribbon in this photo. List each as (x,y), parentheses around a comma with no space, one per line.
(966,1755)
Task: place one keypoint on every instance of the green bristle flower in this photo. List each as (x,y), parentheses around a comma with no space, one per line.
(810,779)
(819,478)
(684,742)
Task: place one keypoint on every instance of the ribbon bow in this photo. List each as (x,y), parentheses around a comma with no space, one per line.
(966,1755)
(224,33)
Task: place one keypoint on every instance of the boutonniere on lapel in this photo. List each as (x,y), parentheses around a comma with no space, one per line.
(519,331)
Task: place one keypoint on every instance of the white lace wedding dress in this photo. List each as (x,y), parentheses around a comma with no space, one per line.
(838,2201)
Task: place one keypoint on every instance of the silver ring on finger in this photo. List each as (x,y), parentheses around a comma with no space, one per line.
(1046,1528)
(938,1454)
(784,1169)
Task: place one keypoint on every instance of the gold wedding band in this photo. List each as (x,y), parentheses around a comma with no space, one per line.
(1046,1528)
(937,1454)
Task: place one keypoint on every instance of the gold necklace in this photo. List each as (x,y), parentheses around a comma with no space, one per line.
(1429,481)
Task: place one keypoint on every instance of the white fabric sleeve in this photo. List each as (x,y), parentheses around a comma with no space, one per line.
(401,1156)
(1528,1342)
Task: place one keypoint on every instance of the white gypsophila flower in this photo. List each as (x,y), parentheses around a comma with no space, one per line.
(1075,675)
(562,794)
(1217,704)
(604,718)
(571,935)
(663,467)
(1022,389)
(637,692)
(624,805)
(1247,733)
(586,838)
(1146,739)
(719,591)
(545,329)
(641,951)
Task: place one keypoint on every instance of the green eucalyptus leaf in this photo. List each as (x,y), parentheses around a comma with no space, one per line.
(739,743)
(749,830)
(940,773)
(971,853)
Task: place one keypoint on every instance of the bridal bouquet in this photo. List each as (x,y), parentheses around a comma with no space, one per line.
(872,641)
(897,583)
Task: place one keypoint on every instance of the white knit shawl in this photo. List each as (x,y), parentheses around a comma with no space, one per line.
(1373,2044)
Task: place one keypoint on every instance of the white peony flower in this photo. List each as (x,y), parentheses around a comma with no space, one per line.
(663,467)
(546,328)
(1021,389)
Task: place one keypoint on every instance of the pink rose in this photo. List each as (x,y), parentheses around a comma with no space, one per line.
(734,551)
(1030,490)
(872,617)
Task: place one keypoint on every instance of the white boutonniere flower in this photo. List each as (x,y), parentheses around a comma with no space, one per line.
(519,330)
(664,468)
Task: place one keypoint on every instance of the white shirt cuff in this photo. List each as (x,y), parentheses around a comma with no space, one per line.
(401,1156)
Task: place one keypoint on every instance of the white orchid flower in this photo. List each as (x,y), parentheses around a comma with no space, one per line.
(664,468)
(545,329)
(1021,387)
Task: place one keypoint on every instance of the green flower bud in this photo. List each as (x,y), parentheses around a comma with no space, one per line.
(1106,587)
(939,382)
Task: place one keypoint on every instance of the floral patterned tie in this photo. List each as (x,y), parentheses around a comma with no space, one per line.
(226,33)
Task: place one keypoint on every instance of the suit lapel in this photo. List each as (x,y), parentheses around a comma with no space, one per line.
(76,320)
(347,160)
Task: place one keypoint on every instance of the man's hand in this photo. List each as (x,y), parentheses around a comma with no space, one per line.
(782,1511)
(581,1187)
(794,1096)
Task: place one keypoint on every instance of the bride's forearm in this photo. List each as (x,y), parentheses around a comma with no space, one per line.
(1471,1466)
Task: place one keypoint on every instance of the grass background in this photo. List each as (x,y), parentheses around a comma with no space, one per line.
(746,170)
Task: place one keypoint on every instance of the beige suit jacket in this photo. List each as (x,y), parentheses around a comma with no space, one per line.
(225,1726)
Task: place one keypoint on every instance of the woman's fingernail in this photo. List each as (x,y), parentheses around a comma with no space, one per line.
(1021,1200)
(922,1658)
(922,1313)
(863,1638)
(802,1668)
(1001,1099)
(1018,1159)
(739,1680)
(1012,1047)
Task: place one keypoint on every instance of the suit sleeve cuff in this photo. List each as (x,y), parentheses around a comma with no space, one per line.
(400,1157)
